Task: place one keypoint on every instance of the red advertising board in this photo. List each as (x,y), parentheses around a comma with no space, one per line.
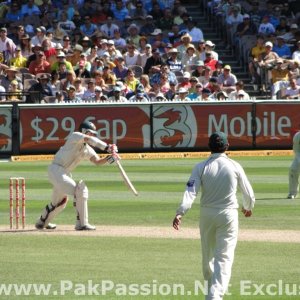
(44,128)
(276,123)
(162,126)
(189,125)
(5,128)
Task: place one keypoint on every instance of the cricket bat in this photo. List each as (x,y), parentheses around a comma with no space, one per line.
(126,179)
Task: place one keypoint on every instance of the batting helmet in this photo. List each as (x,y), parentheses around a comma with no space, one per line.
(87,127)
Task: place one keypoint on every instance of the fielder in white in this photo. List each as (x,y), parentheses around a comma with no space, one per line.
(76,148)
(295,168)
(217,178)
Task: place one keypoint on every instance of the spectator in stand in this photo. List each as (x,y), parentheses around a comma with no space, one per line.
(175,36)
(199,70)
(120,70)
(30,9)
(182,95)
(194,31)
(99,16)
(88,28)
(220,96)
(173,62)
(49,52)
(171,93)
(210,61)
(14,13)
(89,94)
(227,80)
(116,96)
(177,11)
(86,44)
(296,53)
(68,80)
(186,40)
(120,43)
(196,92)
(166,21)
(10,75)
(26,46)
(154,61)
(279,71)
(112,51)
(142,58)
(142,44)
(77,19)
(61,57)
(164,83)
(190,57)
(109,76)
(185,83)
(65,24)
(283,26)
(108,28)
(7,46)
(233,19)
(87,9)
(138,14)
(130,81)
(138,97)
(18,61)
(71,96)
(119,10)
(245,28)
(158,41)
(39,65)
(219,69)
(57,32)
(39,37)
(148,27)
(17,35)
(55,82)
(164,69)
(75,57)
(255,14)
(145,81)
(132,55)
(206,95)
(213,86)
(255,55)
(83,67)
(62,71)
(42,88)
(282,49)
(293,91)
(133,36)
(266,28)
(239,93)
(268,56)
(79,88)
(204,79)
(209,47)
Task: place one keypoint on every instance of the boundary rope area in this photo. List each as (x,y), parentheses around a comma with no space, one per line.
(165,155)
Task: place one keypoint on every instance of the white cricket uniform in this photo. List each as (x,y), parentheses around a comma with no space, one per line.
(65,160)
(295,167)
(217,178)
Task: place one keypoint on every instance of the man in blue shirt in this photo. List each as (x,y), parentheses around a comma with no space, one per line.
(282,49)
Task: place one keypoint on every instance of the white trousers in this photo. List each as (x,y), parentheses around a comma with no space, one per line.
(62,182)
(219,233)
(294,176)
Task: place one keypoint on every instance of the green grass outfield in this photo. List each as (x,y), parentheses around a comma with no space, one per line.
(74,262)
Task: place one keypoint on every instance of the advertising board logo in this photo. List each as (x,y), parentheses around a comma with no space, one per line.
(5,130)
(174,127)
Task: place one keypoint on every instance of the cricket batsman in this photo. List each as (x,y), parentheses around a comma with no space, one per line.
(295,168)
(77,148)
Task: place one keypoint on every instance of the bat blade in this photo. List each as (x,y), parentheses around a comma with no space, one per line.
(126,179)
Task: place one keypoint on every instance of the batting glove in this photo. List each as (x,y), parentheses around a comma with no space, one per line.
(112,158)
(111,148)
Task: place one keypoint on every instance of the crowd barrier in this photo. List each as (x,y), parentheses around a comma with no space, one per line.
(146,127)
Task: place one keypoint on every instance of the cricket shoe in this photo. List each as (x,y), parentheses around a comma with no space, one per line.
(291,196)
(41,225)
(79,227)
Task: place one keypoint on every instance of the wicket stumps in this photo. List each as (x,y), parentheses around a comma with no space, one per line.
(14,184)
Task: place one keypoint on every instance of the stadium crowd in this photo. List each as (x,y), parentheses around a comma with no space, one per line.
(74,51)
